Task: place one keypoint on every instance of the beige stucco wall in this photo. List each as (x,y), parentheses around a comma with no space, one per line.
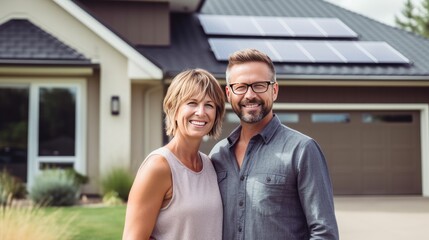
(146,122)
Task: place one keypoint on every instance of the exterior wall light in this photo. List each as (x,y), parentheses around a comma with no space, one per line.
(115,105)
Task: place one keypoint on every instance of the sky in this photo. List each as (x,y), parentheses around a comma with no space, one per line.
(381,10)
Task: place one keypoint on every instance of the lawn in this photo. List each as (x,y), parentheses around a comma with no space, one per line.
(95,222)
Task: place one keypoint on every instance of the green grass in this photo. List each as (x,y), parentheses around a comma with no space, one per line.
(95,222)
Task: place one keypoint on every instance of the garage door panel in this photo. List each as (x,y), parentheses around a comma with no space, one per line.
(344,158)
(404,184)
(402,160)
(374,159)
(373,136)
(348,182)
(374,183)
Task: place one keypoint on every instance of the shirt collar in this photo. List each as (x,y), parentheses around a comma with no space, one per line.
(266,134)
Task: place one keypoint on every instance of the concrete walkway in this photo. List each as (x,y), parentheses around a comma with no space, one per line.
(379,218)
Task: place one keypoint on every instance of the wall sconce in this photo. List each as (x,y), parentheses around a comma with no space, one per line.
(114,105)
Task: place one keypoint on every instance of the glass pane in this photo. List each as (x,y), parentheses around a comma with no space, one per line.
(303,27)
(240,25)
(387,118)
(290,51)
(45,165)
(231,117)
(57,121)
(273,26)
(288,117)
(14,130)
(383,52)
(334,27)
(351,52)
(261,45)
(320,51)
(330,117)
(214,25)
(222,48)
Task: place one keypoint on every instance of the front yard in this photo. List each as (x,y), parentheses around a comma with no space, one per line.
(95,222)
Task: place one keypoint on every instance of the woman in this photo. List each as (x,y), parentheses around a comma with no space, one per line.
(175,193)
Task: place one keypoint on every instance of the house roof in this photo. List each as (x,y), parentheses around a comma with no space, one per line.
(190,48)
(23,42)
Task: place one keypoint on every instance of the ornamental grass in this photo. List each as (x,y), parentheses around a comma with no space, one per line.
(32,223)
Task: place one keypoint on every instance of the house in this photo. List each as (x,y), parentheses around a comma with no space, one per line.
(82,82)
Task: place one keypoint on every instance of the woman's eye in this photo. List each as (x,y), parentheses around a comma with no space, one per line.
(210,105)
(192,103)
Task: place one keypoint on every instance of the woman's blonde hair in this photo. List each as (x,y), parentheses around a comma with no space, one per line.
(193,83)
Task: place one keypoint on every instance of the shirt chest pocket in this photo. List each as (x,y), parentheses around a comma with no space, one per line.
(270,193)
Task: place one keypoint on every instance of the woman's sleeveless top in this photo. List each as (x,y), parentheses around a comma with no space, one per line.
(195,209)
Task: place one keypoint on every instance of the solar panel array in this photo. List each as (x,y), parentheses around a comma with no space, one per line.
(257,26)
(312,51)
(295,40)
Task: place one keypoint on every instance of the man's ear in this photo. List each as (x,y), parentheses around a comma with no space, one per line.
(228,93)
(275,91)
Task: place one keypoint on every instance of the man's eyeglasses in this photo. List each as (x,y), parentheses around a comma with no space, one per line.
(257,87)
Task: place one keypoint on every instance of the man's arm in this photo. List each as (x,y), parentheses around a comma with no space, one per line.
(315,191)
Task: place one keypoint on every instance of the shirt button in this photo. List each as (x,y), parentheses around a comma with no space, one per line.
(242,178)
(240,229)
(241,203)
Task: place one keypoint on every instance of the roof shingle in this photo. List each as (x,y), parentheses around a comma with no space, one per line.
(22,41)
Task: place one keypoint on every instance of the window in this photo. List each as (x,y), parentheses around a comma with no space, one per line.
(288,117)
(330,117)
(387,118)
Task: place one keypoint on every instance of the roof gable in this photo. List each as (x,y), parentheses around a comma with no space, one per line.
(22,41)
(139,67)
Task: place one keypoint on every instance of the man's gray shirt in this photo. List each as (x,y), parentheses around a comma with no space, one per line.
(281,191)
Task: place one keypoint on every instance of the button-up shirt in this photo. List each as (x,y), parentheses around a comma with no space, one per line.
(281,191)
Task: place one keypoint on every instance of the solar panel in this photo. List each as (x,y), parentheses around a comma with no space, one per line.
(383,52)
(303,27)
(352,52)
(274,27)
(260,26)
(311,51)
(335,28)
(321,52)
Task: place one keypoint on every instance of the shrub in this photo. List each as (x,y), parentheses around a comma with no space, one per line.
(78,178)
(54,187)
(10,187)
(117,180)
(112,199)
(32,223)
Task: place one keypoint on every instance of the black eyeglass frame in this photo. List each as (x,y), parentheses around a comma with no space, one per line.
(231,86)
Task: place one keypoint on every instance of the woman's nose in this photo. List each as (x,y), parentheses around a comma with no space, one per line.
(200,110)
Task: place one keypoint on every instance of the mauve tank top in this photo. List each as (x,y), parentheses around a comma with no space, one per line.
(195,210)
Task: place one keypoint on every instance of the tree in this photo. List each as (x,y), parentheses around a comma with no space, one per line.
(415,18)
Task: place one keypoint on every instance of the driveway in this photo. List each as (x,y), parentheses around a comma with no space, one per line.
(386,217)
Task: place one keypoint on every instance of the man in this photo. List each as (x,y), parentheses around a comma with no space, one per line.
(274,181)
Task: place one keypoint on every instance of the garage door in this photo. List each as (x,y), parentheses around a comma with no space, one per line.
(368,152)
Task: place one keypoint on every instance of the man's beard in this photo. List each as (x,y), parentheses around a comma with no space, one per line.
(253,116)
